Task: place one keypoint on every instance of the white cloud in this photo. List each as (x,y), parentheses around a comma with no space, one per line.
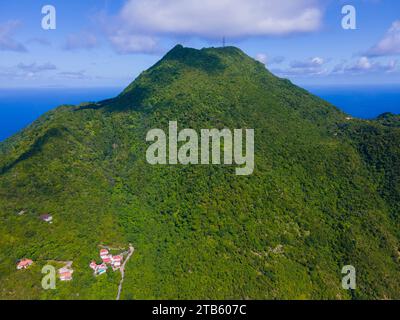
(126,43)
(261,57)
(317,61)
(7,43)
(231,18)
(318,66)
(141,23)
(365,65)
(23,71)
(390,44)
(312,63)
(311,67)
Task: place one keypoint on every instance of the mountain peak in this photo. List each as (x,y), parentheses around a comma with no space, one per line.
(227,49)
(202,56)
(182,60)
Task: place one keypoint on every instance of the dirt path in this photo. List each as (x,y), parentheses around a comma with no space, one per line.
(67,264)
(131,250)
(110,248)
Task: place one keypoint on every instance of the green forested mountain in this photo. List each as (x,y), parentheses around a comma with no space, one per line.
(324,193)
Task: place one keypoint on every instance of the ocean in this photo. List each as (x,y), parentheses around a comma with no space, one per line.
(18,108)
(365,102)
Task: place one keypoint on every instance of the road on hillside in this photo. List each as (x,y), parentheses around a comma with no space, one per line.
(131,250)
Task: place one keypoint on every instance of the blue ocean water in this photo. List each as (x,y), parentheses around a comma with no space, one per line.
(366,102)
(18,108)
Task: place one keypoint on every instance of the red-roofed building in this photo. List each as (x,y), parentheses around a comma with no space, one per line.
(116,262)
(101,269)
(93,265)
(66,275)
(117,258)
(24,264)
(103,253)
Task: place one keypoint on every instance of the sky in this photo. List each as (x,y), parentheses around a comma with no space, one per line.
(107,43)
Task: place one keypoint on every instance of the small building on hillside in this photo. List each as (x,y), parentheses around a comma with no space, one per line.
(66,276)
(116,262)
(24,264)
(101,269)
(65,273)
(107,260)
(93,265)
(103,253)
(98,268)
(46,217)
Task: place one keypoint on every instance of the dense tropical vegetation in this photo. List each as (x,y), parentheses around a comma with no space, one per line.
(325,192)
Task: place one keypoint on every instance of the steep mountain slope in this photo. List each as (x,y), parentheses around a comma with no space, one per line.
(323,193)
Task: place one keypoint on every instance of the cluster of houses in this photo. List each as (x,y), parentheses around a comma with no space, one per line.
(24,264)
(65,273)
(108,259)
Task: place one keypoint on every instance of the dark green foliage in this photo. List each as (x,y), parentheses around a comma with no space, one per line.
(389,119)
(324,193)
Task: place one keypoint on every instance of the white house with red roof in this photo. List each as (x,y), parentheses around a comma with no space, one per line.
(93,265)
(98,268)
(116,262)
(101,269)
(103,253)
(108,259)
(65,273)
(66,276)
(24,264)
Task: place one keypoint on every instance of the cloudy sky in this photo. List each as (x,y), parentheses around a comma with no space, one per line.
(103,43)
